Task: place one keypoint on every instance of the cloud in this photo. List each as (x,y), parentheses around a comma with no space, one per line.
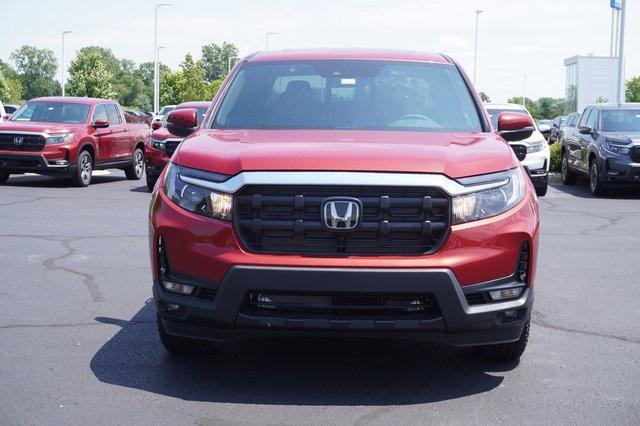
(454,40)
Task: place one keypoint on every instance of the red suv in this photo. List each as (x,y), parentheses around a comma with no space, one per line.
(346,193)
(163,144)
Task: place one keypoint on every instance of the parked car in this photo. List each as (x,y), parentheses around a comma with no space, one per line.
(71,137)
(569,131)
(544,127)
(164,111)
(162,144)
(345,193)
(556,129)
(3,113)
(606,147)
(532,151)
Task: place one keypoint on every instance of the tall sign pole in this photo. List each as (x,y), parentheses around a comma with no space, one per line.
(621,88)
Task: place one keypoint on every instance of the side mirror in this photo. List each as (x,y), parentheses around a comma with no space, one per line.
(585,130)
(100,124)
(182,122)
(156,125)
(514,126)
(544,128)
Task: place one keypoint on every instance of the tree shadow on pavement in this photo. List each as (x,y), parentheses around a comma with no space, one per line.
(581,189)
(292,371)
(57,182)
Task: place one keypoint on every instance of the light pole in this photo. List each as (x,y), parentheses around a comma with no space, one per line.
(620,94)
(62,82)
(156,65)
(267,35)
(475,54)
(158,49)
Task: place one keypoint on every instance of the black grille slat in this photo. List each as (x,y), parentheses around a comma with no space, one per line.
(29,143)
(170,147)
(395,220)
(635,154)
(520,151)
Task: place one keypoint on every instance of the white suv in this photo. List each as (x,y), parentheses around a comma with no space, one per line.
(533,152)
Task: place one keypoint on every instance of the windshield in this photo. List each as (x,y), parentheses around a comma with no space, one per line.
(348,94)
(621,120)
(494,113)
(52,112)
(201,112)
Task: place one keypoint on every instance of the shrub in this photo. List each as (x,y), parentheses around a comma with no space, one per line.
(556,157)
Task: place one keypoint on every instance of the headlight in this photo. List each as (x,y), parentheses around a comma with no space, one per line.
(59,138)
(536,147)
(157,143)
(194,198)
(615,147)
(490,202)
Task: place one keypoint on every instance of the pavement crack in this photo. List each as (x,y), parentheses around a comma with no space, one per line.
(538,319)
(87,278)
(30,200)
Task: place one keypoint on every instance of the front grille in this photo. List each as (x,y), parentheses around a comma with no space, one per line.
(395,220)
(350,306)
(16,142)
(520,150)
(170,146)
(19,163)
(635,154)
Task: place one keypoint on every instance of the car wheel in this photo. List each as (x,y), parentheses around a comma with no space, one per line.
(4,176)
(151,182)
(177,345)
(136,169)
(541,191)
(505,351)
(568,176)
(84,169)
(595,183)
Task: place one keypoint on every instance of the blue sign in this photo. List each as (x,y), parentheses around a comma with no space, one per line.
(616,4)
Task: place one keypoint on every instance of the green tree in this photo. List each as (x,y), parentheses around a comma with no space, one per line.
(192,84)
(12,92)
(529,104)
(484,97)
(601,100)
(89,76)
(632,92)
(216,59)
(37,69)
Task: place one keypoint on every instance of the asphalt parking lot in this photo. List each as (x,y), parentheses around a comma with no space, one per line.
(78,342)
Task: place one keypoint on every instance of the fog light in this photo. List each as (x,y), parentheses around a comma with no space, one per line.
(177,288)
(172,307)
(511,313)
(507,293)
(263,301)
(61,162)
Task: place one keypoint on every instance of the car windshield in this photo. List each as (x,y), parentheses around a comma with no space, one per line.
(348,94)
(494,113)
(621,120)
(52,112)
(167,109)
(201,112)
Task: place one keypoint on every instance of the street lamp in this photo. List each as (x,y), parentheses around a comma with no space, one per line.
(267,35)
(158,49)
(475,54)
(156,66)
(64,33)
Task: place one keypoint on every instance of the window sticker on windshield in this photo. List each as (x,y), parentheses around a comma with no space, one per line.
(348,81)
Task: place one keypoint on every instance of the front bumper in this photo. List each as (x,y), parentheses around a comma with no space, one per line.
(227,316)
(619,169)
(31,163)
(155,161)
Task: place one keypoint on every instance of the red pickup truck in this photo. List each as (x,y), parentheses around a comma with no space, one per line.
(71,137)
(346,193)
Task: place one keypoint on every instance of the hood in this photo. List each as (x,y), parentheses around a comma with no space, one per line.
(623,137)
(453,154)
(162,133)
(22,126)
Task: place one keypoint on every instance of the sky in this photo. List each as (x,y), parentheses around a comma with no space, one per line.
(516,37)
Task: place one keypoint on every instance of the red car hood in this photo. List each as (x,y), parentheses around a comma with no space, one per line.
(453,154)
(22,126)
(161,133)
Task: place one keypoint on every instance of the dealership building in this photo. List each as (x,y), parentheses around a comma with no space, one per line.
(589,80)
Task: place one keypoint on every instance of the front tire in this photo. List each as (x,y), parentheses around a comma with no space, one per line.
(595,183)
(4,176)
(541,191)
(84,169)
(568,176)
(505,351)
(136,169)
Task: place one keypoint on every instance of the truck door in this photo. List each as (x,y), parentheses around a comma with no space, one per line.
(103,137)
(122,138)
